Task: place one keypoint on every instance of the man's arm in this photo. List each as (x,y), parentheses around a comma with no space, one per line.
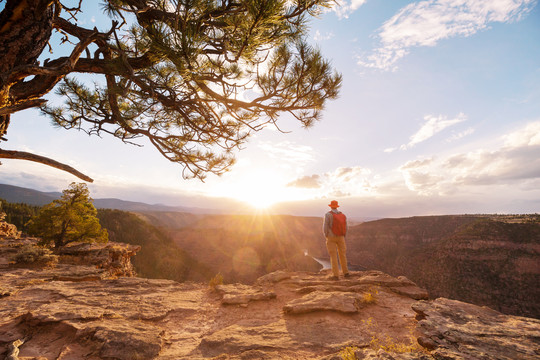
(327,224)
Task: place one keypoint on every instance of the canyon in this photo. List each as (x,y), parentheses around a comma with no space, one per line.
(487,260)
(88,305)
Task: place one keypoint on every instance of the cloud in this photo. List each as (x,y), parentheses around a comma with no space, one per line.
(320,37)
(460,135)
(338,194)
(34,175)
(529,135)
(414,164)
(421,181)
(306,182)
(345,8)
(343,181)
(516,163)
(288,151)
(425,23)
(348,174)
(432,126)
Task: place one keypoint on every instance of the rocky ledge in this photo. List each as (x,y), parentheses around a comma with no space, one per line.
(77,311)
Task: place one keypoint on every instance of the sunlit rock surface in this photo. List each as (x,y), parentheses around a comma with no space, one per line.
(87,311)
(455,330)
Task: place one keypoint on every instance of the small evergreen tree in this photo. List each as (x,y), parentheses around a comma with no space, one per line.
(68,219)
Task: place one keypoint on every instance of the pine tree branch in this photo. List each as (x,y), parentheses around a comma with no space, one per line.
(22,106)
(21,155)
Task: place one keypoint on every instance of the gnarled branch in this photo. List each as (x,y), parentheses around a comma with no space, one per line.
(24,105)
(21,155)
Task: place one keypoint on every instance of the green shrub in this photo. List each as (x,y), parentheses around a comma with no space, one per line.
(28,254)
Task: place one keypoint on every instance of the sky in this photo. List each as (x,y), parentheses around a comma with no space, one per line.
(439,113)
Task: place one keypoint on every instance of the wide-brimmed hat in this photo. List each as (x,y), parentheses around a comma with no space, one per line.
(333,204)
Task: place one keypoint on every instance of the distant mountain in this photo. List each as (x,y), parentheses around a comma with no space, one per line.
(16,194)
(112,203)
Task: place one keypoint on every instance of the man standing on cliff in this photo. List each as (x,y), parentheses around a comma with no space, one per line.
(334,230)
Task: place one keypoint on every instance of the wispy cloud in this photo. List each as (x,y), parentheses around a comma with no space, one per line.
(322,37)
(345,8)
(460,135)
(343,181)
(306,182)
(515,163)
(432,126)
(425,23)
(288,151)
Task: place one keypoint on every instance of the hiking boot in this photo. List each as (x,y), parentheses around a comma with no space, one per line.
(333,278)
(347,275)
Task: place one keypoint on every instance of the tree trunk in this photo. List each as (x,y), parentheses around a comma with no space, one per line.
(25,29)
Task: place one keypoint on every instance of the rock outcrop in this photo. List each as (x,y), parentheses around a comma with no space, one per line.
(113,257)
(454,330)
(8,230)
(83,311)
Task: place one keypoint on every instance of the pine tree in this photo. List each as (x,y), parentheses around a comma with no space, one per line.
(71,218)
(194,78)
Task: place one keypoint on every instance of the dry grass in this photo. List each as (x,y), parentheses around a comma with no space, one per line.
(370,297)
(387,343)
(348,353)
(215,281)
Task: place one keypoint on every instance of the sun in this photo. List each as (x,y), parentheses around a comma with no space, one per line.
(260,189)
(261,201)
(259,193)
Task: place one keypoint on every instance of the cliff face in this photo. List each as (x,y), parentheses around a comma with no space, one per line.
(485,261)
(83,311)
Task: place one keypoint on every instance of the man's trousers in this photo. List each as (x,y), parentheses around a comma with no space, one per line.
(336,246)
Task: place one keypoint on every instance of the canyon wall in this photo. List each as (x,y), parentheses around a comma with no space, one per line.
(486,260)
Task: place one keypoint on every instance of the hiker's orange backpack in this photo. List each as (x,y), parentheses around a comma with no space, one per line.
(339,224)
